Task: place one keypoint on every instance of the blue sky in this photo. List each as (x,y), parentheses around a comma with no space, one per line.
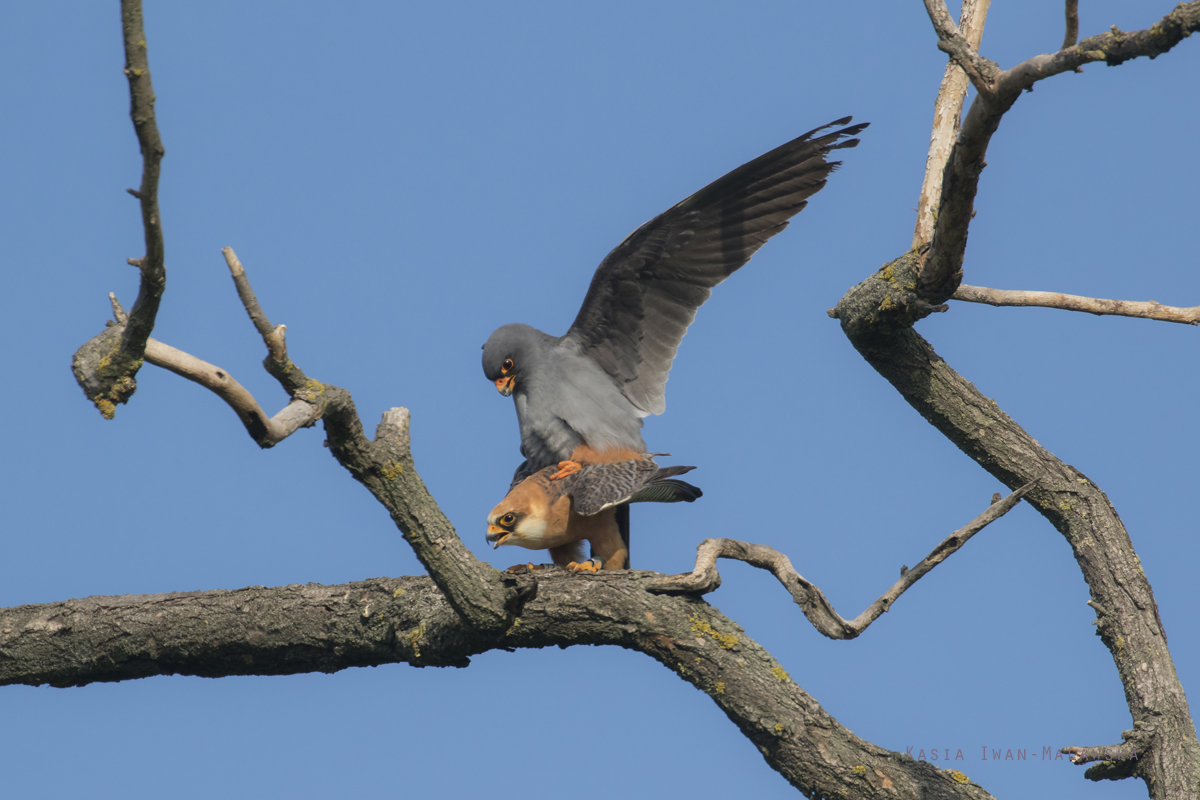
(399,180)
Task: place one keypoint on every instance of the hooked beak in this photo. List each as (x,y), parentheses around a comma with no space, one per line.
(496,535)
(505,385)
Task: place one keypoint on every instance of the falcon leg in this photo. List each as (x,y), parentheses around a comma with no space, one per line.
(567,554)
(607,545)
(566,468)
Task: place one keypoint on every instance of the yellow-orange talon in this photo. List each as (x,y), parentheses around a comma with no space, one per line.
(566,468)
(592,565)
(520,567)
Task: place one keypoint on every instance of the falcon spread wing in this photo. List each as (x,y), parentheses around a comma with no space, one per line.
(646,291)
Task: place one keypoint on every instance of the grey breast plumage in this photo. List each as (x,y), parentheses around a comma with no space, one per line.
(594,384)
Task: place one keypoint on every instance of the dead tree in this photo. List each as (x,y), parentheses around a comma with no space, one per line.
(464,607)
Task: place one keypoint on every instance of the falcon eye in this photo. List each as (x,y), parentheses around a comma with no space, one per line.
(507,366)
(508,519)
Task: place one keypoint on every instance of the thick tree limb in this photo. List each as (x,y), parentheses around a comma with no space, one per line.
(874,318)
(1070,302)
(812,601)
(947,113)
(941,271)
(293,629)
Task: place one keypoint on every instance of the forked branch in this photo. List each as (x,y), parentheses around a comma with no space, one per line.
(954,42)
(812,601)
(940,272)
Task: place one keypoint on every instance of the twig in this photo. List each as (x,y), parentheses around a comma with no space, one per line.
(273,337)
(947,113)
(291,377)
(1068,302)
(118,310)
(1072,35)
(705,578)
(952,41)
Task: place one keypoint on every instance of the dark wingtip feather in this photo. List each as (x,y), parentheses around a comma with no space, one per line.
(685,491)
(667,491)
(853,130)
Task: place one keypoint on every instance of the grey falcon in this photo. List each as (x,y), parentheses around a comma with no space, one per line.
(581,397)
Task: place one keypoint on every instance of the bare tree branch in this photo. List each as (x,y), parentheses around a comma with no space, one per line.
(1070,302)
(1072,34)
(952,41)
(877,316)
(1086,755)
(812,601)
(141,93)
(486,599)
(1127,616)
(947,113)
(941,271)
(266,431)
(273,336)
(311,628)
(106,367)
(1109,762)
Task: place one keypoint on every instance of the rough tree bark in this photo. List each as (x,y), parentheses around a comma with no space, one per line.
(466,607)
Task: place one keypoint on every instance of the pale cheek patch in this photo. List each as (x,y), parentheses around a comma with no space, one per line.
(531,532)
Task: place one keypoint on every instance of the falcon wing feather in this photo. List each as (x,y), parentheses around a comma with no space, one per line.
(645,293)
(600,486)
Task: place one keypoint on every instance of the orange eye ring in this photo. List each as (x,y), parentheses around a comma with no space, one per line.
(507,366)
(508,519)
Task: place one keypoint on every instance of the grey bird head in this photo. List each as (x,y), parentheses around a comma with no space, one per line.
(513,355)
